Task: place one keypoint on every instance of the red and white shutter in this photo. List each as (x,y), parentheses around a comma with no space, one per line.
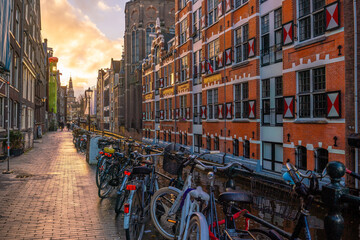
(221,111)
(228,56)
(288,33)
(203,67)
(177,113)
(252,113)
(251,47)
(144,115)
(228,5)
(161,80)
(143,88)
(203,112)
(333,105)
(188,113)
(203,22)
(220,60)
(289,107)
(229,110)
(161,114)
(332,16)
(173,114)
(220,9)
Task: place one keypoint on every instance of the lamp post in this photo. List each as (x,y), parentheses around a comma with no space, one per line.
(88,96)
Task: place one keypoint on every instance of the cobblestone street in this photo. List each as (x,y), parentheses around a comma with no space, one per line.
(52,195)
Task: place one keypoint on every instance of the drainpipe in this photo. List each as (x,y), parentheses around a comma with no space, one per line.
(356,93)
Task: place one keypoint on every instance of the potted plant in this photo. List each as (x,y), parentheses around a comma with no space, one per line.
(16,143)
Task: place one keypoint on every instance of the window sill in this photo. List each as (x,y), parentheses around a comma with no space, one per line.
(212,121)
(310,121)
(241,121)
(310,41)
(241,64)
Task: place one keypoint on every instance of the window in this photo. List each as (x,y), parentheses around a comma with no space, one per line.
(165,77)
(208,143)
(241,36)
(135,46)
(212,100)
(311,18)
(170,108)
(279,101)
(157,82)
(156,55)
(183,68)
(149,30)
(164,136)
(214,50)
(197,105)
(185,139)
(266,88)
(157,111)
(196,25)
(165,109)
(236,147)
(169,134)
(17,25)
(183,106)
(311,93)
(301,157)
(241,95)
(246,152)
(182,4)
(197,67)
(197,142)
(321,159)
(239,3)
(180,138)
(183,29)
(272,156)
(212,11)
(216,143)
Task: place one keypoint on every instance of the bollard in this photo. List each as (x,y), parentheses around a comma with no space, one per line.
(331,195)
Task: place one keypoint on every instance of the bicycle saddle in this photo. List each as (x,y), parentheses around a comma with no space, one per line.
(109,150)
(241,197)
(141,171)
(199,193)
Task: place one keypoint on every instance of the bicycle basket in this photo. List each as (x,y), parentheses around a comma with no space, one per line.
(172,160)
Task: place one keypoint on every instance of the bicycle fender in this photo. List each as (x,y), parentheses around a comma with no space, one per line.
(175,189)
(203,225)
(127,215)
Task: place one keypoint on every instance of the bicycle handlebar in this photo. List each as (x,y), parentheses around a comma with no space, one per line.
(351,173)
(229,165)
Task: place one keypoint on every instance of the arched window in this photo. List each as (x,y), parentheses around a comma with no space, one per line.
(236,147)
(246,149)
(135,45)
(156,55)
(208,143)
(301,157)
(321,159)
(149,30)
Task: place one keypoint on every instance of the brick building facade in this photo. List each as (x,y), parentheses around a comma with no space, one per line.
(140,17)
(262,81)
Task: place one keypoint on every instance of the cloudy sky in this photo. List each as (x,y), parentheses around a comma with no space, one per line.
(85,35)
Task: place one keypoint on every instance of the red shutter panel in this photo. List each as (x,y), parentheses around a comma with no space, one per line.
(288,33)
(332,16)
(289,107)
(252,113)
(203,112)
(228,5)
(220,62)
(221,111)
(220,9)
(228,56)
(251,48)
(333,104)
(229,110)
(188,113)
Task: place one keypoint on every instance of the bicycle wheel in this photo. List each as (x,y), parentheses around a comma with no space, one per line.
(160,205)
(136,224)
(260,234)
(100,169)
(198,229)
(120,199)
(105,188)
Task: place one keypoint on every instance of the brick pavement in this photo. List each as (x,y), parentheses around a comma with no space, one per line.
(57,199)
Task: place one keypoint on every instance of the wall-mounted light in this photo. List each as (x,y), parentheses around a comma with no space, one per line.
(339,48)
(288,136)
(229,133)
(253,133)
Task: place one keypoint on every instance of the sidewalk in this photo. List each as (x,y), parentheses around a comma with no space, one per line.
(52,195)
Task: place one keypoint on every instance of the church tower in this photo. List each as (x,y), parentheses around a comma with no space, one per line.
(70,93)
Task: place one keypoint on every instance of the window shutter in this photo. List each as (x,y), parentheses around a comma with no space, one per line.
(289,107)
(333,104)
(288,33)
(332,16)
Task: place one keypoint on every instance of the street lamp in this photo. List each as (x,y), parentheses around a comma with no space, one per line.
(88,94)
